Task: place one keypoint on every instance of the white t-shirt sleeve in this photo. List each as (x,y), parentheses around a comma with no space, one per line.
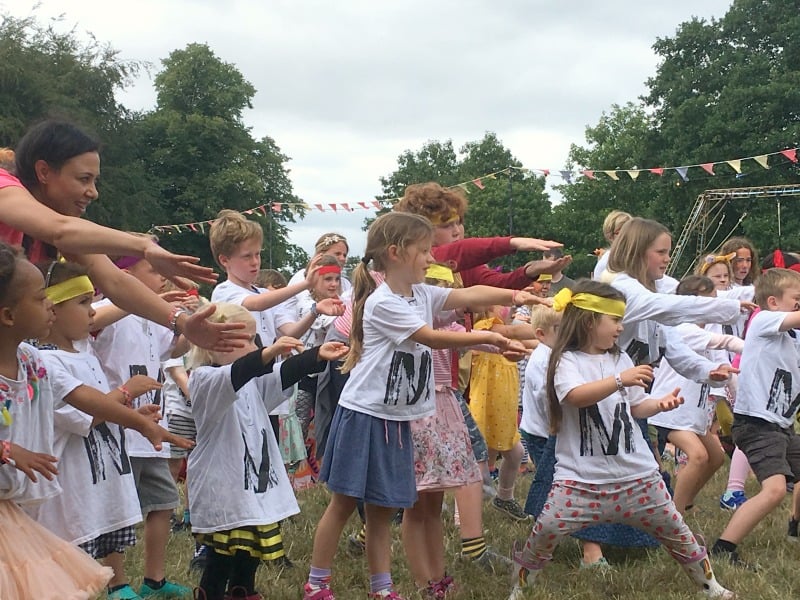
(66,417)
(394,320)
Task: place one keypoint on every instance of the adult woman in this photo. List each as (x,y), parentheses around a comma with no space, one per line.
(57,166)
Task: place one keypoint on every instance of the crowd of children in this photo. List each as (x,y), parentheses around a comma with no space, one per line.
(107,404)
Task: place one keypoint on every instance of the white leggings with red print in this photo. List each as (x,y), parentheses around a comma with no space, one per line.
(642,503)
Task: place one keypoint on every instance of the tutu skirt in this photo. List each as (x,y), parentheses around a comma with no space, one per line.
(35,563)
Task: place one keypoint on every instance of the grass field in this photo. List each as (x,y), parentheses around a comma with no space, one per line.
(637,573)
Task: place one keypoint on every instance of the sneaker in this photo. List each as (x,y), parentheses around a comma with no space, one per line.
(511,508)
(601,565)
(389,594)
(317,592)
(438,590)
(733,559)
(168,590)
(199,560)
(491,561)
(732,500)
(519,574)
(488,491)
(124,593)
(793,535)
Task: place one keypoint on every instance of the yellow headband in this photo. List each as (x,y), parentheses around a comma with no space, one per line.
(711,260)
(69,289)
(440,272)
(598,304)
(437,220)
(545,277)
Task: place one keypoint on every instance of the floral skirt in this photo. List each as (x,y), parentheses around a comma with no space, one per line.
(443,456)
(35,563)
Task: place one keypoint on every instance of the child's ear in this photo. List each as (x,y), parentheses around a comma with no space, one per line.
(7,316)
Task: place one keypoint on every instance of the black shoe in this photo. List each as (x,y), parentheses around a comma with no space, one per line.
(732,557)
(792,534)
(199,560)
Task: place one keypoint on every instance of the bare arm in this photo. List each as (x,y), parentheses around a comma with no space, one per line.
(265,300)
(484,295)
(589,394)
(792,321)
(653,406)
(438,339)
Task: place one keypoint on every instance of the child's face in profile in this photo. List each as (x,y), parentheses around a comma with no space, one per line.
(548,336)
(226,358)
(244,263)
(144,272)
(789,301)
(74,318)
(31,316)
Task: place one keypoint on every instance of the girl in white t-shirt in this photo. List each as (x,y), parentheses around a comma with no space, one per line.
(370,453)
(238,487)
(37,563)
(688,427)
(605,472)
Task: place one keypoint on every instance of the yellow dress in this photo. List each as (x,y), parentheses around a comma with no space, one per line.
(494,394)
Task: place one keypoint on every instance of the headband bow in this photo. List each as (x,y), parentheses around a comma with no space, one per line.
(713,259)
(590,302)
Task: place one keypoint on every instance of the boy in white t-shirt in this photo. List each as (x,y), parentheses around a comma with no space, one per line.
(136,346)
(766,404)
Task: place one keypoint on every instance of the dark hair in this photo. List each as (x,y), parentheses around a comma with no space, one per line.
(776,256)
(574,333)
(53,141)
(9,259)
(58,271)
(737,243)
(694,285)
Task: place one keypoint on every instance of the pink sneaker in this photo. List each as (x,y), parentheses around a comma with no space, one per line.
(386,595)
(315,592)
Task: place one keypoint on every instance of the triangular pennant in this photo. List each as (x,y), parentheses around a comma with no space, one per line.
(657,171)
(735,164)
(762,160)
(333,206)
(478,183)
(202,228)
(346,206)
(320,207)
(263,210)
(276,206)
(376,204)
(177,228)
(708,168)
(248,212)
(492,176)
(464,187)
(633,173)
(682,172)
(588,174)
(545,172)
(192,227)
(363,205)
(612,174)
(791,154)
(566,176)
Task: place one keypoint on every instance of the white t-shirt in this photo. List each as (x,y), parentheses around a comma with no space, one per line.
(769,382)
(315,336)
(535,414)
(29,400)
(267,322)
(601,443)
(94,470)
(649,320)
(394,378)
(175,403)
(236,474)
(135,346)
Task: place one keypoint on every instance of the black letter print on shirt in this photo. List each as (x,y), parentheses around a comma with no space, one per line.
(151,397)
(264,477)
(704,389)
(407,382)
(593,428)
(780,395)
(102,442)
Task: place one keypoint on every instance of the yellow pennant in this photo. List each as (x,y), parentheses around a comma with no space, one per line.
(762,160)
(736,164)
(633,174)
(612,174)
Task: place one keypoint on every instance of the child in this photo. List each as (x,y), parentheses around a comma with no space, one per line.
(270,279)
(763,426)
(38,563)
(746,258)
(94,463)
(369,454)
(234,509)
(687,427)
(612,225)
(136,346)
(605,470)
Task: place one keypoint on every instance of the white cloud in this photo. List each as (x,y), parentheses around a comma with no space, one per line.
(345,87)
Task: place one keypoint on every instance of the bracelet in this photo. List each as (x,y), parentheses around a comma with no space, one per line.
(620,387)
(172,322)
(5,452)
(126,394)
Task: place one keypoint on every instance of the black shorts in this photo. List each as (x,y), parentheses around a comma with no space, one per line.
(770,449)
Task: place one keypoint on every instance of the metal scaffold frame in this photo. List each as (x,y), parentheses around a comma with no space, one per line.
(704,221)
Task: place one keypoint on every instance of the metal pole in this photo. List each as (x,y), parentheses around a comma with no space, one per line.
(510,203)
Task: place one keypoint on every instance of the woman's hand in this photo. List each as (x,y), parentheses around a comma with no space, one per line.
(218,337)
(173,266)
(637,376)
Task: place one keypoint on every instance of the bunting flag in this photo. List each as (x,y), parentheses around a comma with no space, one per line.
(569,176)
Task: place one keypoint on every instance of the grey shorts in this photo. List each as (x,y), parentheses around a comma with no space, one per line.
(770,449)
(154,483)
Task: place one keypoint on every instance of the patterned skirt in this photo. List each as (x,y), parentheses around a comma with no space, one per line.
(259,541)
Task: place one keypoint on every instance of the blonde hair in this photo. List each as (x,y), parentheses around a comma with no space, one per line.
(7,161)
(704,263)
(544,317)
(613,223)
(628,252)
(225,313)
(327,240)
(326,260)
(773,282)
(391,229)
(230,229)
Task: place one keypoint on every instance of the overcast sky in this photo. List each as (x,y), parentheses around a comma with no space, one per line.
(345,87)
